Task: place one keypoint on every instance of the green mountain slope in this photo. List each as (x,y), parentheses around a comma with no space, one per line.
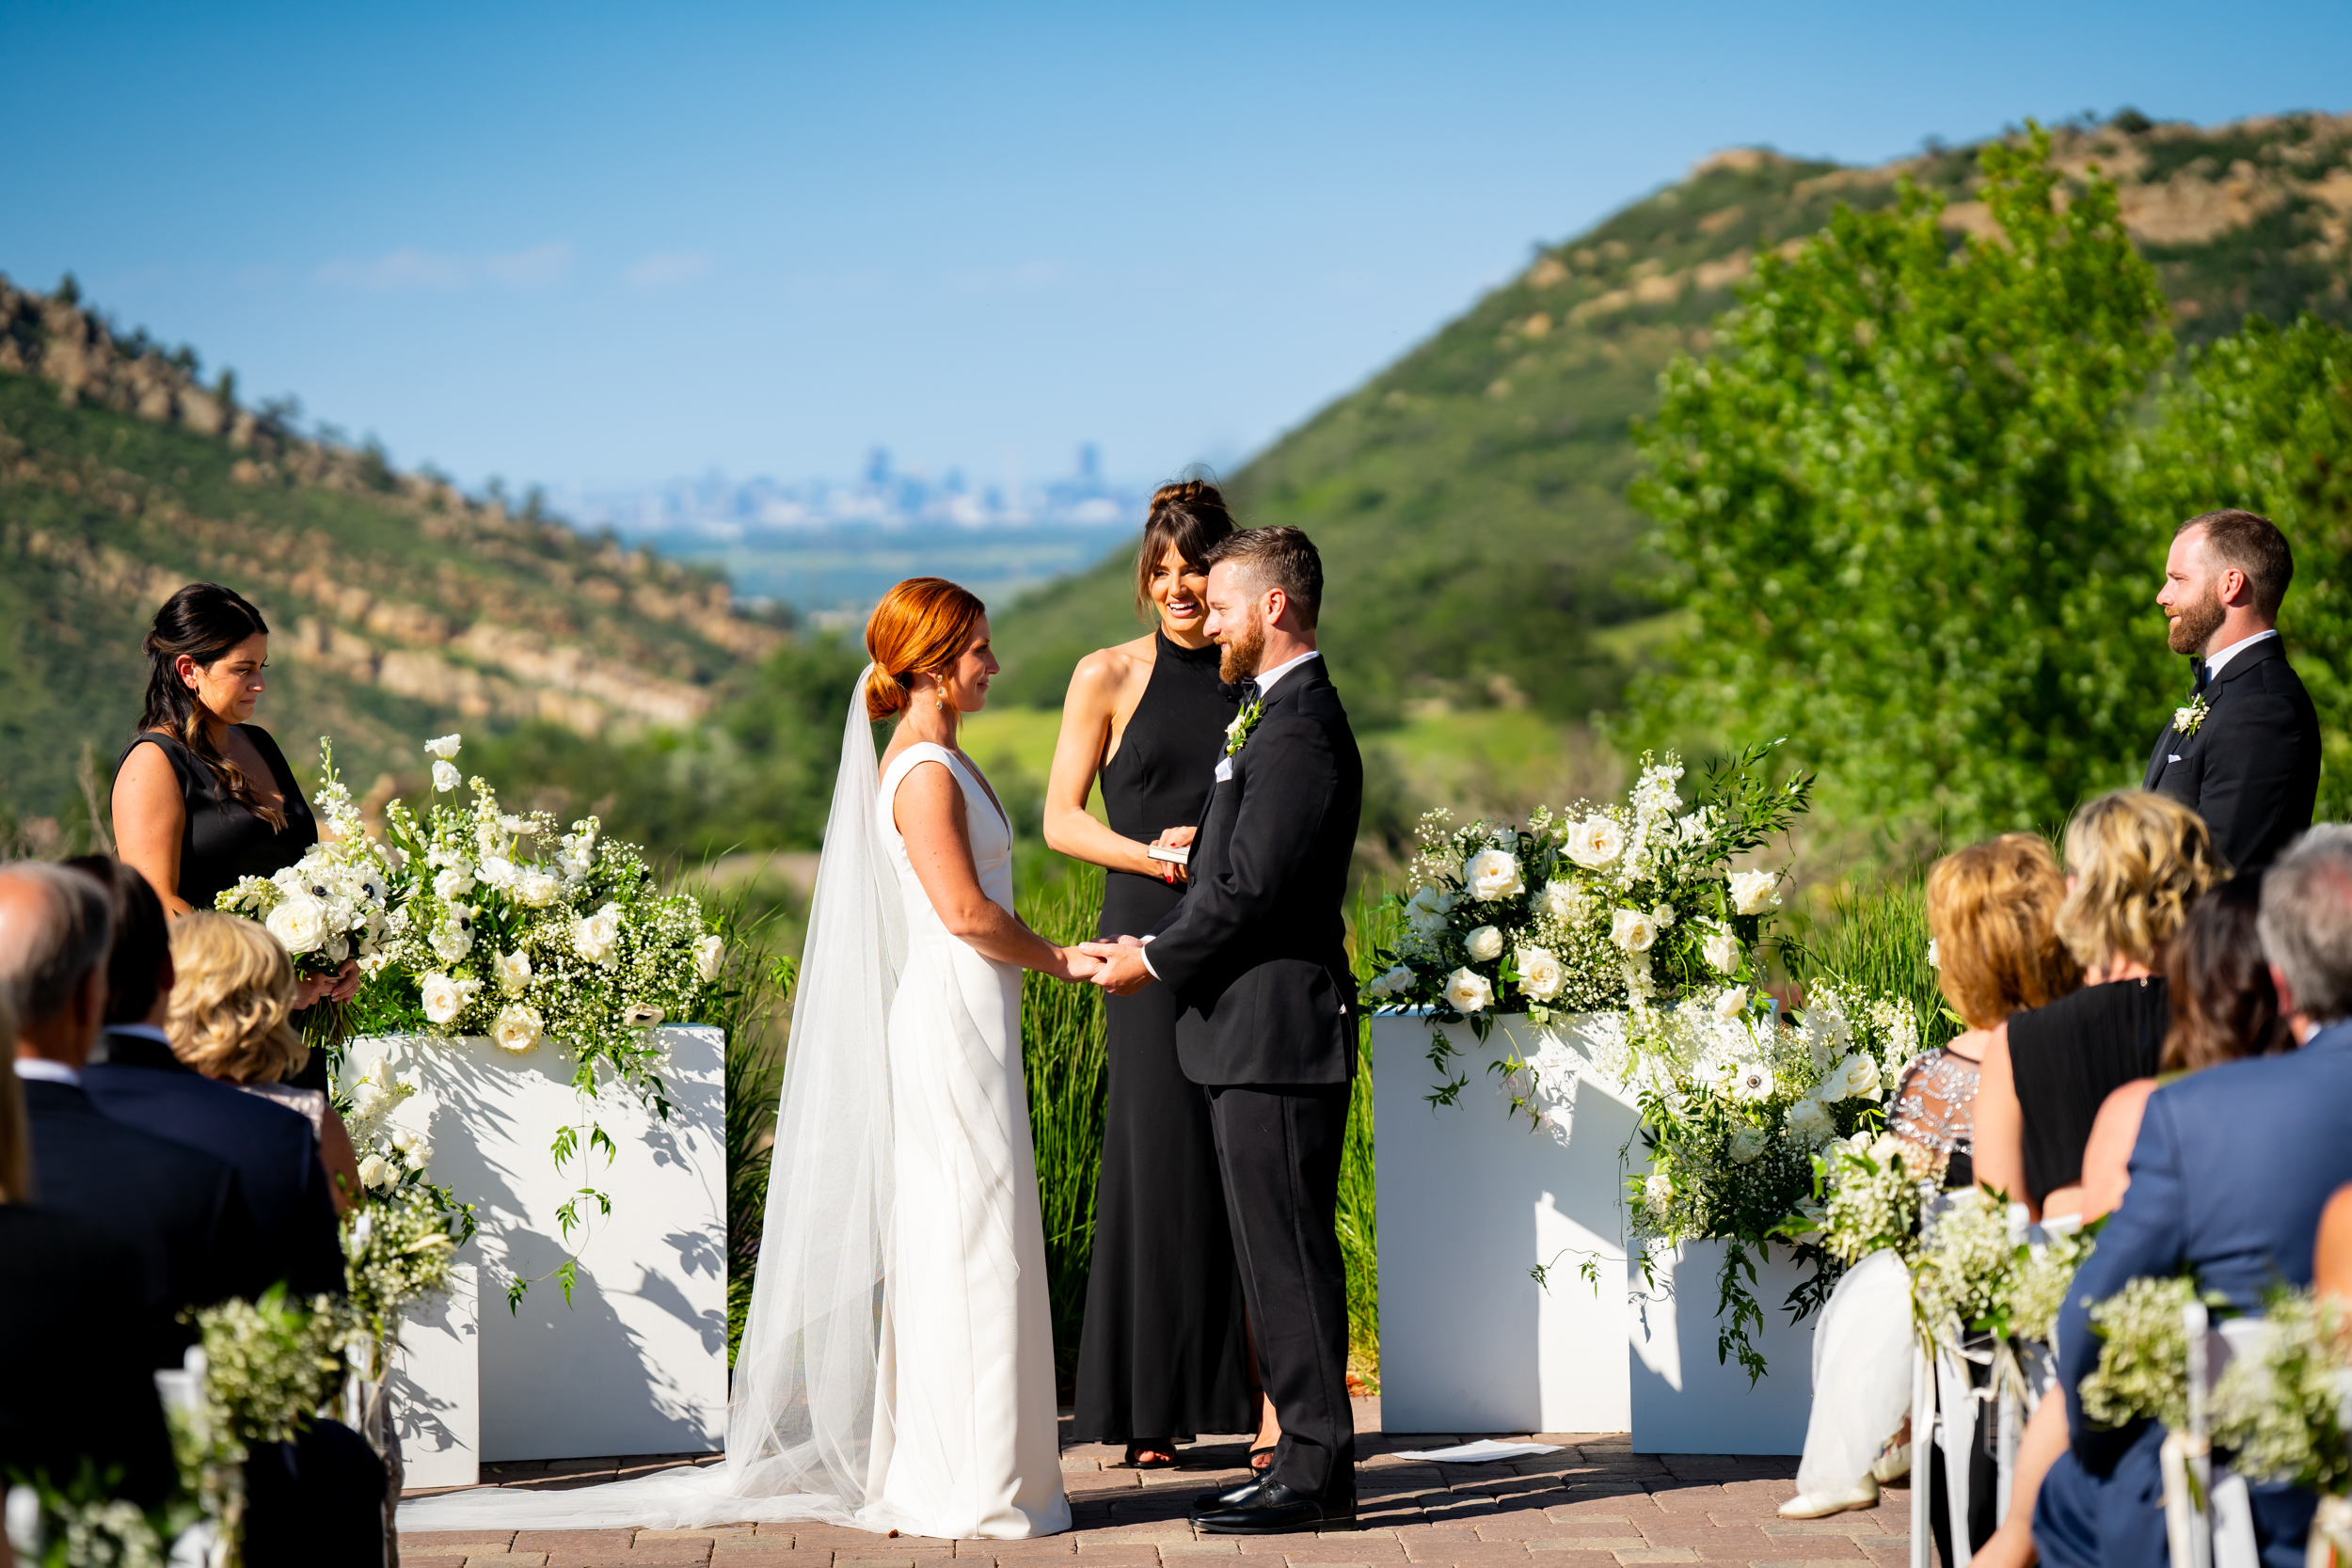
(1470,499)
(398,608)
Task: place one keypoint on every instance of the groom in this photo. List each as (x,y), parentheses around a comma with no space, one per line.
(1256,954)
(2244,753)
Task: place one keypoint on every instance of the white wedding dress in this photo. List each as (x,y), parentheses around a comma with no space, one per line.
(897,1367)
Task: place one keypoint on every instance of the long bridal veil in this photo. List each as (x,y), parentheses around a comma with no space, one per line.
(803,1413)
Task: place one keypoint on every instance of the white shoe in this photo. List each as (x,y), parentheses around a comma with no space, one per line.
(1892,1464)
(1820,1505)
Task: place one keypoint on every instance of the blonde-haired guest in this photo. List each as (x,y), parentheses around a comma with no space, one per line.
(2136,863)
(232,1018)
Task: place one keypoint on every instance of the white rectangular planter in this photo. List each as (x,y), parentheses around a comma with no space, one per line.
(436,1387)
(1684,1400)
(637,1363)
(1473,1200)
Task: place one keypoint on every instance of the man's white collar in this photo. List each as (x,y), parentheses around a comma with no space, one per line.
(40,1070)
(2214,661)
(1267,677)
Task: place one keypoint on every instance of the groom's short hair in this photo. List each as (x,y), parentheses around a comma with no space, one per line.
(2253,545)
(1281,558)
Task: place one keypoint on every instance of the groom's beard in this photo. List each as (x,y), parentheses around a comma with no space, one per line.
(2197,624)
(1242,653)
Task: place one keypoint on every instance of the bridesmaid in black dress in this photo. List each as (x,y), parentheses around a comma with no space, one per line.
(201,797)
(1164,1352)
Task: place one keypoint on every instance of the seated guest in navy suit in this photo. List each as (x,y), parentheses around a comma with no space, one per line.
(180,1212)
(2233,1168)
(142,1083)
(78,1390)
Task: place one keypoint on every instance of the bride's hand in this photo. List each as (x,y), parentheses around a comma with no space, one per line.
(1078,964)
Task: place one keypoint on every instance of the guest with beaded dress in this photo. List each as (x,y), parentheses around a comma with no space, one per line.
(1164,1354)
(1992,909)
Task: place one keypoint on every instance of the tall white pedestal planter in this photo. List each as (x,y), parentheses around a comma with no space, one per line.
(1685,1401)
(637,1363)
(1473,1200)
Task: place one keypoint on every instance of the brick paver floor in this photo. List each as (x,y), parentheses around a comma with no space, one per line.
(1593,1504)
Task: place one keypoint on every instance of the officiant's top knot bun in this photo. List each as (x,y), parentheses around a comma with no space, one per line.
(1190,515)
(917,629)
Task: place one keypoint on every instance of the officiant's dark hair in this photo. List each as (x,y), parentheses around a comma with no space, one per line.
(2253,545)
(1190,515)
(1281,558)
(203,621)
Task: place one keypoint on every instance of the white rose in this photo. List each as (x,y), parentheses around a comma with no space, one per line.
(498,872)
(1659,1190)
(536,889)
(442,747)
(1427,910)
(593,936)
(403,1139)
(1540,974)
(1596,841)
(1753,892)
(1746,1144)
(513,972)
(1752,1081)
(450,943)
(1562,900)
(444,776)
(1467,992)
(1731,1002)
(1856,1077)
(375,1171)
(1633,930)
(1663,914)
(1484,943)
(300,923)
(1810,1122)
(1722,950)
(421,1155)
(443,999)
(517,1029)
(1394,983)
(455,883)
(1492,874)
(710,952)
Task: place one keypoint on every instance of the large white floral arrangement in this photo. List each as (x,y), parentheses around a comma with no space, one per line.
(335,902)
(1597,909)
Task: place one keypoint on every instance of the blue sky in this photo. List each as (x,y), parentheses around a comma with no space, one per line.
(599,245)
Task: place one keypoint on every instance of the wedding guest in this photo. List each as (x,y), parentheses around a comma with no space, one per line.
(203,797)
(1164,1353)
(182,1214)
(76,1391)
(1991,909)
(2134,862)
(142,1083)
(2233,1167)
(2331,1262)
(227,1018)
(2223,1008)
(2244,753)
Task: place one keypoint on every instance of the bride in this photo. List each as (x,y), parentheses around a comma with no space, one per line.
(896,1369)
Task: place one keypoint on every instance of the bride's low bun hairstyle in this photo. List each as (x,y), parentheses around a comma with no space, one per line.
(917,629)
(1190,515)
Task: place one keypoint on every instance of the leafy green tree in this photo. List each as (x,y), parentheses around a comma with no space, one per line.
(2262,419)
(1899,529)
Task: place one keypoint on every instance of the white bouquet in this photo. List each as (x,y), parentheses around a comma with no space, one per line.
(333,904)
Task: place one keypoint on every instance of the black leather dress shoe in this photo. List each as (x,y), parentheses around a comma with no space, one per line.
(1239,1491)
(1274,1509)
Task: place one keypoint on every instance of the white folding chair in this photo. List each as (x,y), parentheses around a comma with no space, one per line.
(2208,1516)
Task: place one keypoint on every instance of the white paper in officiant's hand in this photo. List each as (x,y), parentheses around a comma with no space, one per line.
(1485,1451)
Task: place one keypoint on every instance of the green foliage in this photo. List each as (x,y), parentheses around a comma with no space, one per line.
(1374,924)
(1875,944)
(751,1001)
(1065,1059)
(1893,501)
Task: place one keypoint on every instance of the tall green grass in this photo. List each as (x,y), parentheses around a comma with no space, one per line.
(1065,1056)
(1875,940)
(1372,925)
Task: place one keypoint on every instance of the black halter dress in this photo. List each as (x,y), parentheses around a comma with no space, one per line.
(1163,1353)
(221,839)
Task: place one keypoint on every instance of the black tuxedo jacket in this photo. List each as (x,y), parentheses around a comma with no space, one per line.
(2251,770)
(179,1212)
(1256,950)
(77,1385)
(276,1154)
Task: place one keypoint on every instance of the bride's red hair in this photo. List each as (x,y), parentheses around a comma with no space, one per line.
(917,629)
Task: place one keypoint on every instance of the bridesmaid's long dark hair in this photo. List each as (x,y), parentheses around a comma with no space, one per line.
(204,621)
(1189,514)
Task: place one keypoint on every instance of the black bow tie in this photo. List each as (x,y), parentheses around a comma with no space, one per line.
(2204,677)
(1250,691)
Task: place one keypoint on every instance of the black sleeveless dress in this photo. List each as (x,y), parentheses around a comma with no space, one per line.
(220,838)
(2067,1057)
(1163,1353)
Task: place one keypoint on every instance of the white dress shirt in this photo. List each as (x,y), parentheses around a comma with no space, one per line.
(2214,661)
(42,1070)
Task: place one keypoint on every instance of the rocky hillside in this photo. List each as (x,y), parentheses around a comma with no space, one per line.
(399,607)
(1470,499)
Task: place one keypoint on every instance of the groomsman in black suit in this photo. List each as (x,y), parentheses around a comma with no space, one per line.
(1256,956)
(2244,752)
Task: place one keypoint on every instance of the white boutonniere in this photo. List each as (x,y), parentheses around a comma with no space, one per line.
(1244,722)
(2185,719)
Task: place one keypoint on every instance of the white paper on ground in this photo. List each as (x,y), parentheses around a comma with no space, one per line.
(1485,1451)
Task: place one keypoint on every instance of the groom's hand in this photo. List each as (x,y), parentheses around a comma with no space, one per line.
(1122,972)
